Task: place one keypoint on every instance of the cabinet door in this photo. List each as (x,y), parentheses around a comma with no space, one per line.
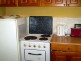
(65,56)
(58,56)
(47,2)
(76,59)
(53,3)
(76,56)
(73,2)
(8,3)
(59,3)
(28,2)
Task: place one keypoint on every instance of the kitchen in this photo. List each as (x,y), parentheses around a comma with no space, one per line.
(67,14)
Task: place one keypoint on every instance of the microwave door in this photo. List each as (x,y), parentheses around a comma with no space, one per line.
(34,55)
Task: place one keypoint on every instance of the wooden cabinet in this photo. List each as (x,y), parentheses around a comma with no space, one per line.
(47,2)
(66,47)
(28,2)
(57,57)
(65,56)
(65,52)
(67,3)
(8,3)
(53,3)
(73,2)
(61,3)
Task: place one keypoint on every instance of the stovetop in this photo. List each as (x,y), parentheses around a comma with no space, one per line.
(30,38)
(38,37)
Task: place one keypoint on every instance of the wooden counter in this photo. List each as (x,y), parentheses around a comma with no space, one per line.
(67,43)
(66,40)
(65,48)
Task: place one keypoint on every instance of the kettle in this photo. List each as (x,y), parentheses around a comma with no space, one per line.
(60,30)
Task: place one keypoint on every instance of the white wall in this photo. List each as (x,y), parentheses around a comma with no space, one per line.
(69,22)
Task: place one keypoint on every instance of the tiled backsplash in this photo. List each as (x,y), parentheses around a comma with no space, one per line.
(69,22)
(65,21)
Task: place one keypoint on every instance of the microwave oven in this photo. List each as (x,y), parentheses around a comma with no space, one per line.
(75,31)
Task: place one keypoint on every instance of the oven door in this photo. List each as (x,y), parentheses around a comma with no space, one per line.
(35,55)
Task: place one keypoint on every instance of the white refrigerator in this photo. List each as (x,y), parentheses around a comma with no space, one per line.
(10,32)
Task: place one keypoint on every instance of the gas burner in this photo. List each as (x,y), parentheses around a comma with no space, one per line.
(45,35)
(30,38)
(43,38)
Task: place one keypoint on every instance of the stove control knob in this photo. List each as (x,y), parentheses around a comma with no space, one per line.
(34,45)
(25,45)
(44,46)
(29,45)
(39,46)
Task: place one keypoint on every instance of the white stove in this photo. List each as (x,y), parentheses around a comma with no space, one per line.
(37,38)
(35,47)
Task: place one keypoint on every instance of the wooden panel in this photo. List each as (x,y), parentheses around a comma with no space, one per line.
(60,2)
(76,59)
(53,3)
(78,48)
(60,58)
(76,56)
(28,2)
(52,56)
(73,2)
(7,3)
(64,47)
(57,56)
(65,56)
(47,2)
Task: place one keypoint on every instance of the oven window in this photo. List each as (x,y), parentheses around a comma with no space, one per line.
(40,24)
(35,55)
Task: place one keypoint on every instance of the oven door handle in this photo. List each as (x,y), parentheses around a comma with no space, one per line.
(34,54)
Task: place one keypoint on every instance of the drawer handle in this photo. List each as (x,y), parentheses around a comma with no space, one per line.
(34,54)
(67,4)
(64,4)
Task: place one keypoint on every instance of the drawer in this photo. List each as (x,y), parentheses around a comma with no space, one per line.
(61,53)
(78,48)
(65,47)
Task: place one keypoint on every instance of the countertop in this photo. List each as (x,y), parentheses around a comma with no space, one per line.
(66,40)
